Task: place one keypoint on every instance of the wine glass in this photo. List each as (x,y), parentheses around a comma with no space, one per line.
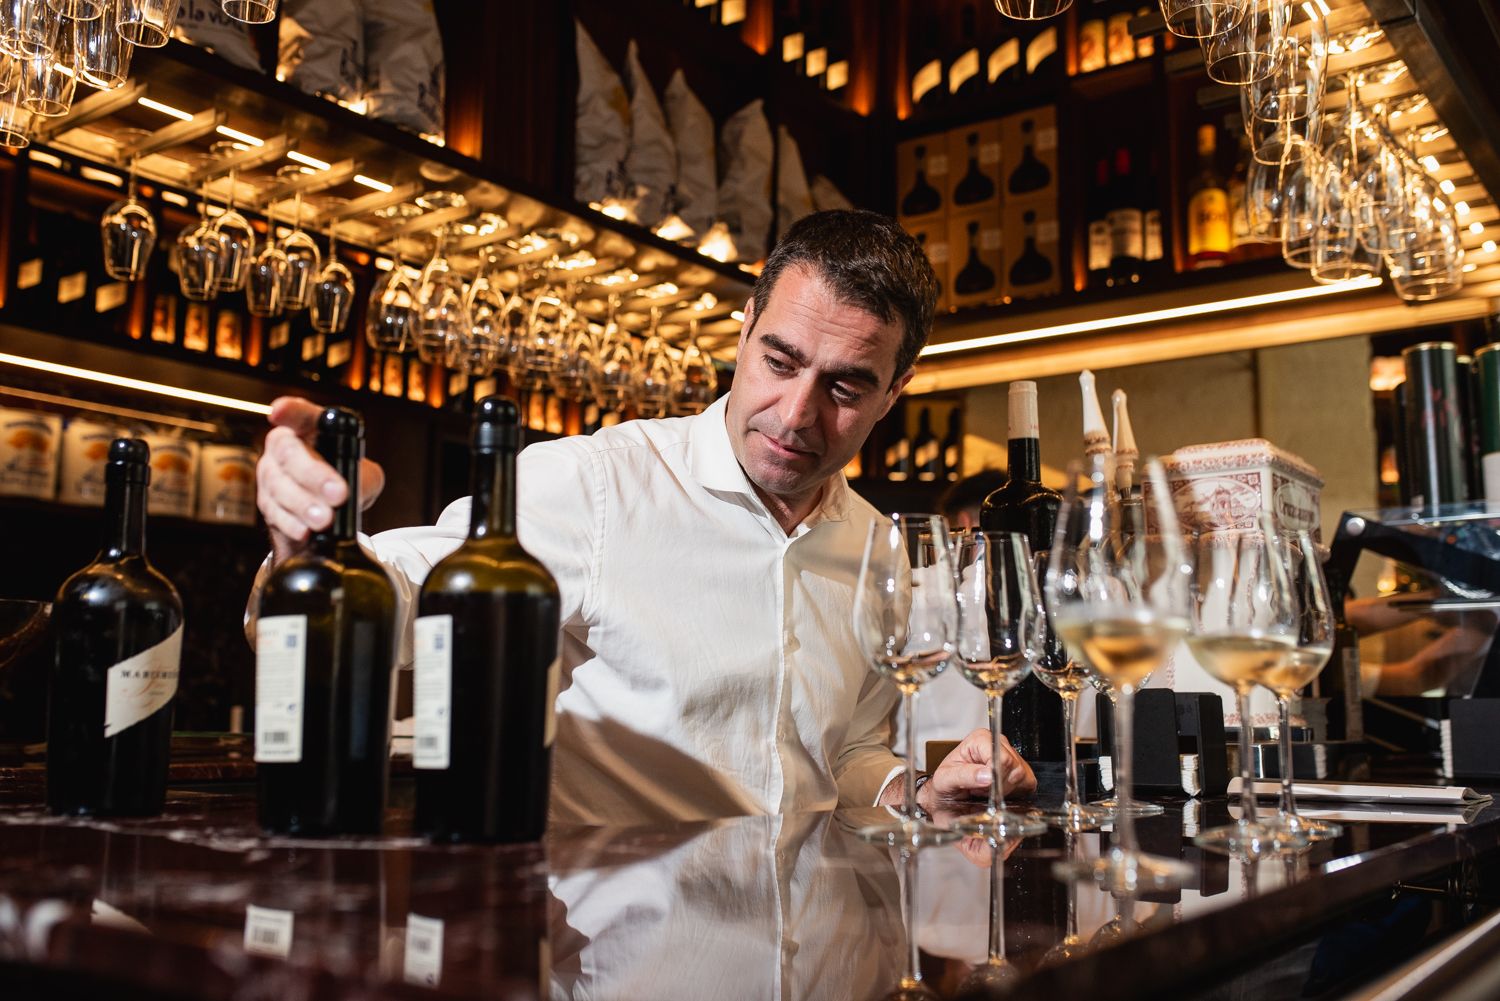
(1032,10)
(575,358)
(1243,626)
(128,233)
(1111,804)
(332,291)
(905,620)
(26,28)
(391,315)
(250,11)
(1119,601)
(147,23)
(653,374)
(303,259)
(1314,645)
(998,636)
(1190,18)
(266,277)
(696,383)
(1067,677)
(1299,207)
(199,255)
(235,234)
(1242,46)
(49,76)
(103,53)
(442,310)
(614,363)
(486,303)
(544,328)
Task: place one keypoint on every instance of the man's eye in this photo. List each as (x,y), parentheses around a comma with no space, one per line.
(777,365)
(843,394)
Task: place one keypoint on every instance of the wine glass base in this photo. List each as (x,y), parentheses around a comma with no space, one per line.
(1076,817)
(1124,872)
(1294,825)
(1006,825)
(913,833)
(1251,839)
(1137,808)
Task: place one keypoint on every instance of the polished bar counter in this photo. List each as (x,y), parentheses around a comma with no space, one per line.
(197,904)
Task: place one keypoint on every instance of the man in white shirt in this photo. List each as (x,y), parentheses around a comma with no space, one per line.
(707,564)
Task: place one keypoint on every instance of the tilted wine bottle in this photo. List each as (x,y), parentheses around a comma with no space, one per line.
(486,663)
(1032,713)
(119,646)
(324,657)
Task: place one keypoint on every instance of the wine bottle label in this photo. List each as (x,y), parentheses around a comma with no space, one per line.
(1100,244)
(1208,222)
(926,78)
(838,73)
(964,69)
(1491,468)
(29,274)
(1126,233)
(554,679)
(424,950)
(1004,57)
(432,691)
(816,63)
(268,931)
(937,165)
(1042,46)
(138,686)
(1091,52)
(111,296)
(70,288)
(280,669)
(1153,235)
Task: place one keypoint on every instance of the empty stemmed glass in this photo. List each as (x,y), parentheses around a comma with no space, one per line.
(332,292)
(303,259)
(479,352)
(1111,804)
(905,620)
(391,315)
(199,255)
(695,383)
(1032,10)
(654,373)
(614,362)
(1119,600)
(49,76)
(26,28)
(1242,46)
(1244,626)
(998,633)
(1192,18)
(103,53)
(1071,945)
(442,307)
(236,236)
(1314,645)
(573,373)
(128,233)
(266,275)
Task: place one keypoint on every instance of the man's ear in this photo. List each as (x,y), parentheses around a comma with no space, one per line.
(746,326)
(894,393)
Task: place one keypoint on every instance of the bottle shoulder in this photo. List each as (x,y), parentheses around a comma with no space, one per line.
(108,582)
(485,564)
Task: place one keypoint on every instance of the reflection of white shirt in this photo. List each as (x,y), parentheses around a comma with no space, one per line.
(708,663)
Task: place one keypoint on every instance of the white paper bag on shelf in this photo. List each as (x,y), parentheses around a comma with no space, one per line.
(84,451)
(602,131)
(746,151)
(793,199)
(693,134)
(321,48)
(826,195)
(28,453)
(203,23)
(404,71)
(651,163)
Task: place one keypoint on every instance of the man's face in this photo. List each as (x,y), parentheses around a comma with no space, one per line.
(812,377)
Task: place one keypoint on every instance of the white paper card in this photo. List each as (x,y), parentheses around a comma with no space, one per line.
(268,931)
(424,950)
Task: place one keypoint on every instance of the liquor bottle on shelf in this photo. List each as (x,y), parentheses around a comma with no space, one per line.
(975,276)
(926,62)
(1127,456)
(1095,437)
(1030,173)
(1126,225)
(324,657)
(1100,245)
(927,453)
(1153,257)
(1208,232)
(965,80)
(1032,714)
(1092,51)
(1032,266)
(952,447)
(975,186)
(922,198)
(486,663)
(119,644)
(898,462)
(1241,246)
(1120,46)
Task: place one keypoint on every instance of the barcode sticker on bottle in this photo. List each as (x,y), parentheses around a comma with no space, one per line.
(424,950)
(137,687)
(432,690)
(268,931)
(280,669)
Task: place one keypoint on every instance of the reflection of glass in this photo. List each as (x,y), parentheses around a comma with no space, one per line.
(1120,604)
(998,633)
(391,316)
(906,621)
(1244,627)
(1071,945)
(996,974)
(911,987)
(147,23)
(128,233)
(103,53)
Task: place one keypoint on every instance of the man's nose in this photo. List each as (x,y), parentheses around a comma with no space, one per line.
(799,405)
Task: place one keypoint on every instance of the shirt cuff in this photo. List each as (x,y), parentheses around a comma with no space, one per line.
(899,769)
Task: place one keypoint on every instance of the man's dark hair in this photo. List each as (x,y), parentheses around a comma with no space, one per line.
(870,263)
(970,492)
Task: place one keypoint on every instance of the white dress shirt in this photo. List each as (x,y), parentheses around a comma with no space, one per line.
(708,665)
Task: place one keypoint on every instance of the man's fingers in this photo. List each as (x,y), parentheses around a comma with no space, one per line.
(371,482)
(296,413)
(288,455)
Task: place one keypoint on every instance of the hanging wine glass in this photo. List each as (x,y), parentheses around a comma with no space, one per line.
(332,292)
(1337,251)
(103,53)
(235,234)
(266,275)
(1032,10)
(15,120)
(696,384)
(303,260)
(26,28)
(1243,46)
(653,373)
(198,255)
(1429,264)
(1190,18)
(391,317)
(127,230)
(1299,219)
(543,336)
(575,360)
(49,76)
(514,319)
(480,352)
(442,310)
(615,362)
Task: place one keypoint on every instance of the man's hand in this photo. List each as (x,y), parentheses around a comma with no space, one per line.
(965,775)
(295,489)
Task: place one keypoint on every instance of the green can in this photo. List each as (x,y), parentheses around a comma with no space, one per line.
(1487,408)
(1434,426)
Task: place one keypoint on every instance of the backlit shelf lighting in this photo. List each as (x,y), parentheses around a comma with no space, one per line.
(160,389)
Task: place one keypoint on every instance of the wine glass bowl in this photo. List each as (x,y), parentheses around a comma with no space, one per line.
(391,314)
(303,263)
(266,277)
(332,297)
(696,383)
(198,256)
(442,307)
(128,230)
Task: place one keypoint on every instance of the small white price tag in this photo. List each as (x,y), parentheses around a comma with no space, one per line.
(424,950)
(268,931)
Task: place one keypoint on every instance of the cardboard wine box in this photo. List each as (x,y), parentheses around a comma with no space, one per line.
(1033,265)
(974,162)
(1028,162)
(922,167)
(976,252)
(934,240)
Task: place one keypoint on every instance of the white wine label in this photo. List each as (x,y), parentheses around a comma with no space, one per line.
(268,931)
(937,165)
(1126,233)
(29,275)
(1046,232)
(1003,58)
(937,253)
(964,69)
(989,239)
(816,63)
(1100,244)
(838,73)
(111,296)
(1042,46)
(1490,466)
(554,673)
(138,686)
(1153,235)
(424,950)
(70,288)
(432,691)
(280,667)
(989,154)
(926,78)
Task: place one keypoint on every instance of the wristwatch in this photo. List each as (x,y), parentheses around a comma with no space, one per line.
(922,779)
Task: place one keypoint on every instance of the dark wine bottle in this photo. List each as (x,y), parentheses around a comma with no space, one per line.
(1031,267)
(486,663)
(976,276)
(1032,713)
(926,59)
(324,657)
(119,645)
(927,454)
(1100,245)
(1126,225)
(1208,225)
(965,81)
(975,186)
(952,447)
(923,198)
(1030,174)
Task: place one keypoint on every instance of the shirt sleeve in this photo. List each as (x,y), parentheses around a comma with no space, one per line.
(867,765)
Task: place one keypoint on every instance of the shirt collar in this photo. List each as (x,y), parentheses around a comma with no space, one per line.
(712,463)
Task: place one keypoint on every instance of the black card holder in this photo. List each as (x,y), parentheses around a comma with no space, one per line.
(1200,731)
(1167,725)
(1471,747)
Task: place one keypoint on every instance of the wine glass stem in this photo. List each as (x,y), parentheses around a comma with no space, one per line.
(1070,723)
(997,754)
(1124,748)
(909,715)
(913,974)
(1247,791)
(1288,807)
(997,903)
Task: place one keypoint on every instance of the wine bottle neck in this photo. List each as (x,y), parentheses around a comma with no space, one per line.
(493,514)
(1025,460)
(124,519)
(346,517)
